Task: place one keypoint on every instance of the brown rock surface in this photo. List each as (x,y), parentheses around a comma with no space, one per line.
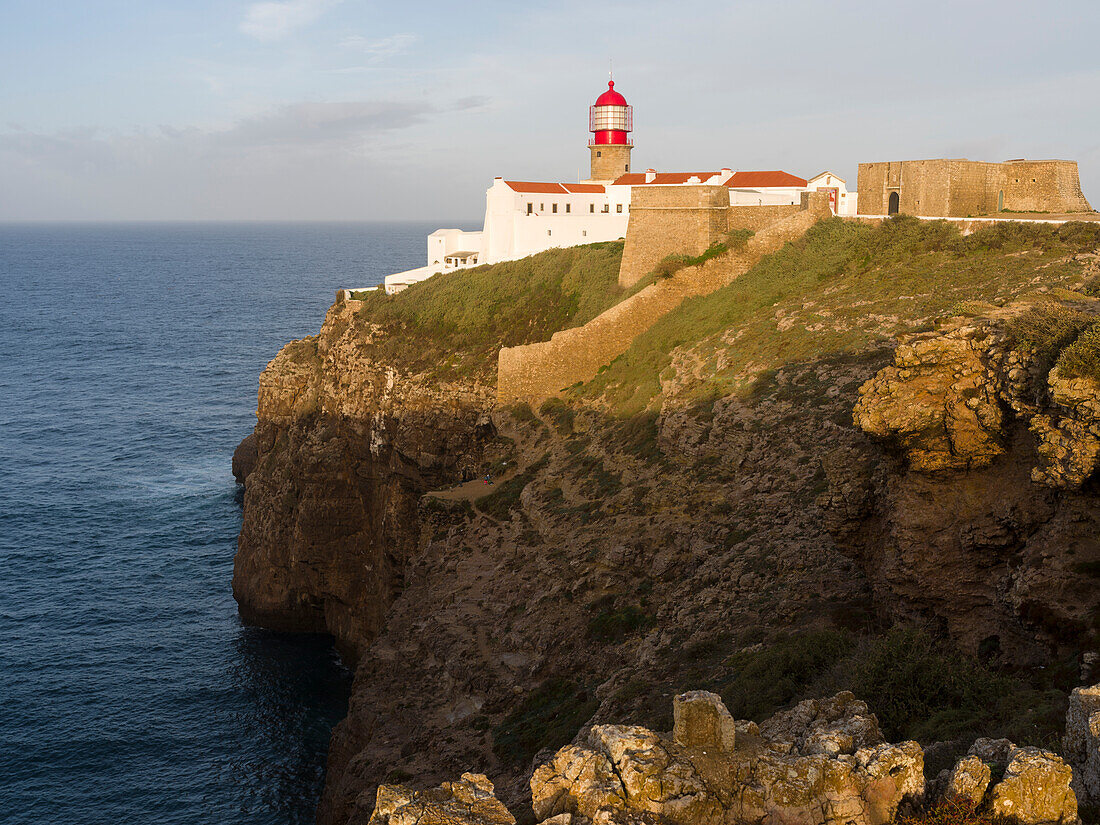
(760,780)
(1035,789)
(743,518)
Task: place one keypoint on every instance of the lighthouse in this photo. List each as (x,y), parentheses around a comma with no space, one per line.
(610,121)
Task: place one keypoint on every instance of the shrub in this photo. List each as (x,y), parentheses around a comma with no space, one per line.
(1047,329)
(611,626)
(1081,359)
(953,813)
(548,717)
(522,413)
(559,413)
(768,679)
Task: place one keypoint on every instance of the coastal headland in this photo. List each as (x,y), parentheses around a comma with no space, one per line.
(860,459)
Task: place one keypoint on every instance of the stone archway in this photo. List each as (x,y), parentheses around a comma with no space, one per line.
(892,207)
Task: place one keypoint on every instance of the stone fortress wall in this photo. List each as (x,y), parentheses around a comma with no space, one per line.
(963,188)
(686,220)
(533,372)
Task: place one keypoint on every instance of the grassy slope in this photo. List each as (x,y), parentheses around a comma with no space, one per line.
(839,289)
(454,323)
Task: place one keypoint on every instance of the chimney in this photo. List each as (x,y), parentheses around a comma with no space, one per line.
(650,175)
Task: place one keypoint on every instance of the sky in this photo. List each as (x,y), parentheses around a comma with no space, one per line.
(364,110)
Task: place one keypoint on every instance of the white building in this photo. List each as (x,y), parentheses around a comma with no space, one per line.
(526,217)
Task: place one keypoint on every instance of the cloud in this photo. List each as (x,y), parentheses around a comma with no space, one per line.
(274,20)
(324,123)
(472,102)
(378,49)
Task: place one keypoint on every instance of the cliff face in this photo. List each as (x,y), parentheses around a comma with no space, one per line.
(619,560)
(344,446)
(984,514)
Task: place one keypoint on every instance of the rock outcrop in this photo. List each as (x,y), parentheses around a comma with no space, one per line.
(986,520)
(343,448)
(947,401)
(1082,742)
(469,801)
(829,765)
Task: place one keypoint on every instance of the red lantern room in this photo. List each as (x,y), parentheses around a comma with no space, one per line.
(610,119)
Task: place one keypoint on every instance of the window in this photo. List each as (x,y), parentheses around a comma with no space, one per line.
(567,209)
(628,167)
(547,231)
(606,208)
(584,233)
(597,154)
(554,208)
(618,207)
(542,207)
(530,208)
(591,207)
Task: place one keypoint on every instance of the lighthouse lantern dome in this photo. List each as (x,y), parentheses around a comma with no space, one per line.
(611,119)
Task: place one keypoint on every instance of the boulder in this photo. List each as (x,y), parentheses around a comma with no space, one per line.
(968,782)
(840,724)
(1035,789)
(469,801)
(1082,742)
(702,721)
(821,763)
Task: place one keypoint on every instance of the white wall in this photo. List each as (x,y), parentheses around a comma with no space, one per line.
(510,232)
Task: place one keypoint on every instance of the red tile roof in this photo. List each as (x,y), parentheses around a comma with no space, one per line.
(773,178)
(661,178)
(537,187)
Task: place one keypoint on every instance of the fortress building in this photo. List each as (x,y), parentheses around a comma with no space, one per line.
(966,188)
(526,217)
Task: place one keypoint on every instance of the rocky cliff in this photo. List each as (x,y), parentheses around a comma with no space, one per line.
(755,538)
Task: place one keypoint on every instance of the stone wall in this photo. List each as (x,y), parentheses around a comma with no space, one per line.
(1043,186)
(757,217)
(961,188)
(536,371)
(671,220)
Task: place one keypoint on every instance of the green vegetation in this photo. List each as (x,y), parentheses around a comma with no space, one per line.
(768,679)
(841,288)
(500,503)
(559,413)
(1060,335)
(1081,359)
(919,686)
(611,625)
(671,264)
(454,322)
(548,717)
(950,812)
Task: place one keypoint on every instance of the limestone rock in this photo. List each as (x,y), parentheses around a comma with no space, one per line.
(968,781)
(469,801)
(1035,789)
(702,721)
(1082,742)
(802,779)
(996,752)
(840,724)
(938,403)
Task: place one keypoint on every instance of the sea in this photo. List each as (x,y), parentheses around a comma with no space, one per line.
(130,691)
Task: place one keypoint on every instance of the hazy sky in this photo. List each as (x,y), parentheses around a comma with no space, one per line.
(364,110)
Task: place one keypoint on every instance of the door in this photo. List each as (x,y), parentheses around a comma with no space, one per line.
(892,209)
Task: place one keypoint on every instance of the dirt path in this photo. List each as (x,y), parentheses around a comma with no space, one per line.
(471,490)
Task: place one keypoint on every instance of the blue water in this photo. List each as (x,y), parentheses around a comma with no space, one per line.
(129,690)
